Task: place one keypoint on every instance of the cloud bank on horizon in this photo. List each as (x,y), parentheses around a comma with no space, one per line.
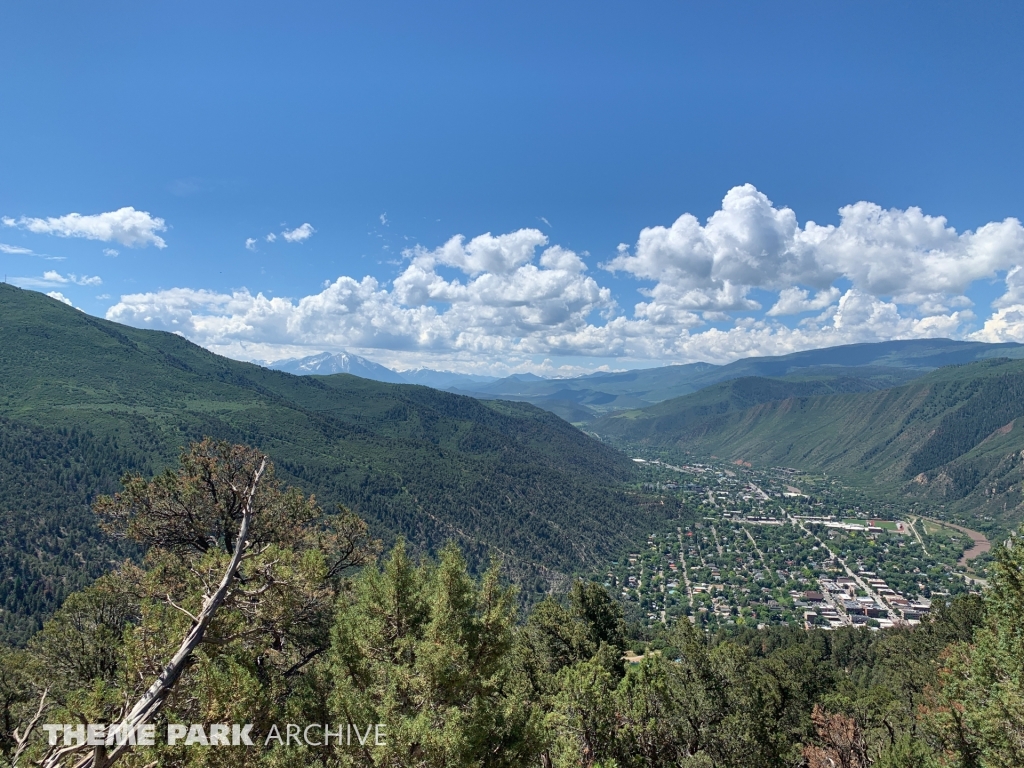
(517,301)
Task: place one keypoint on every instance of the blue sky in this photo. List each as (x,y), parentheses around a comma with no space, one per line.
(574,135)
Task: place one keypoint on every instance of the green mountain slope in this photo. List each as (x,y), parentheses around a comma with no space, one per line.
(416,462)
(49,543)
(705,411)
(890,363)
(952,437)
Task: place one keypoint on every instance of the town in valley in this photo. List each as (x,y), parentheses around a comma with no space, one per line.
(779,547)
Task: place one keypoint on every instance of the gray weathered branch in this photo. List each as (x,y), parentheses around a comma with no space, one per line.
(153,699)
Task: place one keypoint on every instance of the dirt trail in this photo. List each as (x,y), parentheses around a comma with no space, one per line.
(918,537)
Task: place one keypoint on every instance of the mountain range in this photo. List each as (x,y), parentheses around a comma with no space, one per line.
(950,440)
(581,399)
(83,400)
(329,363)
(934,422)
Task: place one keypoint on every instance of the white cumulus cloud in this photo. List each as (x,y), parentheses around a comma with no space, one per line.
(127,226)
(748,242)
(530,305)
(908,254)
(250,243)
(515,301)
(856,318)
(1007,323)
(59,297)
(795,300)
(1014,288)
(300,233)
(904,255)
(53,278)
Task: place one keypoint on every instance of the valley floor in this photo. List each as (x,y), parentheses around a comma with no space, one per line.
(776,547)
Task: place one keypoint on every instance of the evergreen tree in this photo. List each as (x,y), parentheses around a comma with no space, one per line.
(979,715)
(429,653)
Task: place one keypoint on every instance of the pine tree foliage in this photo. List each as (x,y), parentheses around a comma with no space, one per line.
(447,662)
(979,713)
(84,400)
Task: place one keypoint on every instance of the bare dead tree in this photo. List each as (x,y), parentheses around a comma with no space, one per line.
(843,742)
(152,700)
(21,738)
(222,504)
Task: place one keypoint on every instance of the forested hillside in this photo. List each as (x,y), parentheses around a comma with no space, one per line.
(953,437)
(431,466)
(703,410)
(50,544)
(881,364)
(453,674)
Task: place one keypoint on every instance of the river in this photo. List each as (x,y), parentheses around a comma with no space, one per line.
(981,544)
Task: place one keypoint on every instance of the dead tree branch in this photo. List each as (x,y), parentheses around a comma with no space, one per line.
(152,700)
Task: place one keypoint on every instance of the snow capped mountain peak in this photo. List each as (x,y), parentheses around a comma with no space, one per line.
(327,363)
